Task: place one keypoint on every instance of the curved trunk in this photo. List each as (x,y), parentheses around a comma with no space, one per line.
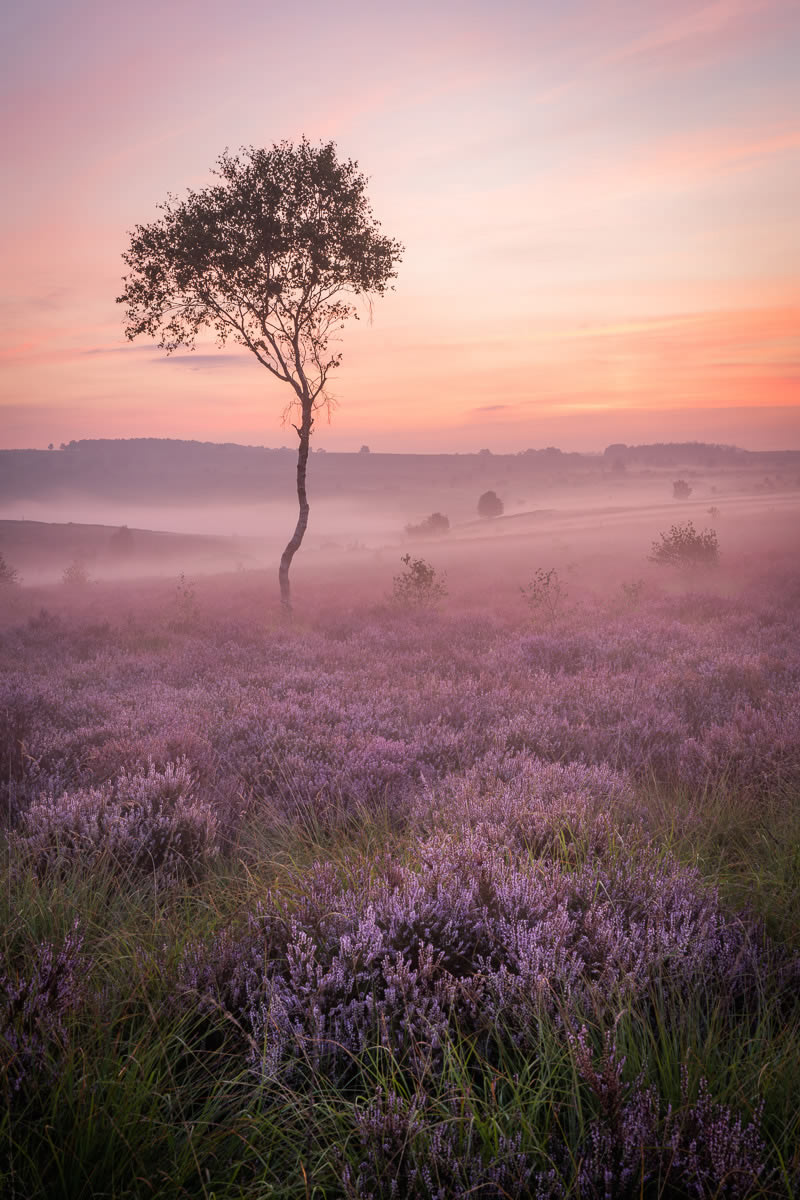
(304,433)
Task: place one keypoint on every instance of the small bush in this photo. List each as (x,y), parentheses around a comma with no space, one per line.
(633,591)
(149,821)
(8,575)
(490,505)
(545,593)
(185,603)
(34,1005)
(419,586)
(683,546)
(681,490)
(437,523)
(75,575)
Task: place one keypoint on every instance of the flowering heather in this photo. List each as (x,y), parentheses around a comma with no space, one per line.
(150,821)
(34,1004)
(472,939)
(366,710)
(417,932)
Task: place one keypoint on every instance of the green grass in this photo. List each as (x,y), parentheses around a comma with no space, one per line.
(141,1108)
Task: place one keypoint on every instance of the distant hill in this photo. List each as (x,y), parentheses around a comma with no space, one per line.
(697,454)
(167,471)
(39,546)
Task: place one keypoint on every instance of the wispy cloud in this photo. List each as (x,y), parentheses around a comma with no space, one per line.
(206,362)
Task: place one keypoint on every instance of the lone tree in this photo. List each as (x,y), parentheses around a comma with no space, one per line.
(490,504)
(683,546)
(273,255)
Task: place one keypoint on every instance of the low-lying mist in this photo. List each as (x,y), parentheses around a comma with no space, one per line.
(602,530)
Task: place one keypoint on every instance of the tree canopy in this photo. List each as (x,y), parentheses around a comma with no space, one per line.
(273,255)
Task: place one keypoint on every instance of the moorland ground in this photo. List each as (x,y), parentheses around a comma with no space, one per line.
(496,896)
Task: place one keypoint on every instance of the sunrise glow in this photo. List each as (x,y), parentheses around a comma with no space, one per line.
(598,203)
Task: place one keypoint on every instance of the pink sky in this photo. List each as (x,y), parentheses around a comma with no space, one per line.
(598,201)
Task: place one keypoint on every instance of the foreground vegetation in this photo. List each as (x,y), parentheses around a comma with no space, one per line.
(398,902)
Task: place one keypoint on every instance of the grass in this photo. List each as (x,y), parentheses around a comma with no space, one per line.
(140,1108)
(143,1095)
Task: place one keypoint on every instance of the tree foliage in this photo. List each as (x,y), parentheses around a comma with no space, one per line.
(490,505)
(274,255)
(683,546)
(434,525)
(8,575)
(419,585)
(545,593)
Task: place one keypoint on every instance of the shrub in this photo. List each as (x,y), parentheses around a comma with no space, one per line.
(149,821)
(681,490)
(8,575)
(436,523)
(480,935)
(75,575)
(683,546)
(633,591)
(33,1008)
(490,505)
(185,603)
(419,585)
(545,593)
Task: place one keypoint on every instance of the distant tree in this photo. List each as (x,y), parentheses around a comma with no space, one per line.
(490,505)
(436,523)
(273,255)
(681,490)
(50,446)
(8,575)
(121,543)
(683,546)
(364,450)
(419,585)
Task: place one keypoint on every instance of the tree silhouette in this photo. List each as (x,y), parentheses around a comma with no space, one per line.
(273,255)
(490,505)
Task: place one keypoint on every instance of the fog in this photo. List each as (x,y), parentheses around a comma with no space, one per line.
(595,530)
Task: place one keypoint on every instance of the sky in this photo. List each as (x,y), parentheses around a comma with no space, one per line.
(598,199)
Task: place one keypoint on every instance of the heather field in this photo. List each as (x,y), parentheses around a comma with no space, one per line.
(490,889)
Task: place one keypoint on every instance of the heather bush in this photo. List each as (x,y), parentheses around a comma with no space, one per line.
(454,905)
(470,940)
(150,822)
(634,1140)
(35,1001)
(407,1149)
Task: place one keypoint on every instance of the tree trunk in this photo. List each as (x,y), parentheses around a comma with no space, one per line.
(304,433)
